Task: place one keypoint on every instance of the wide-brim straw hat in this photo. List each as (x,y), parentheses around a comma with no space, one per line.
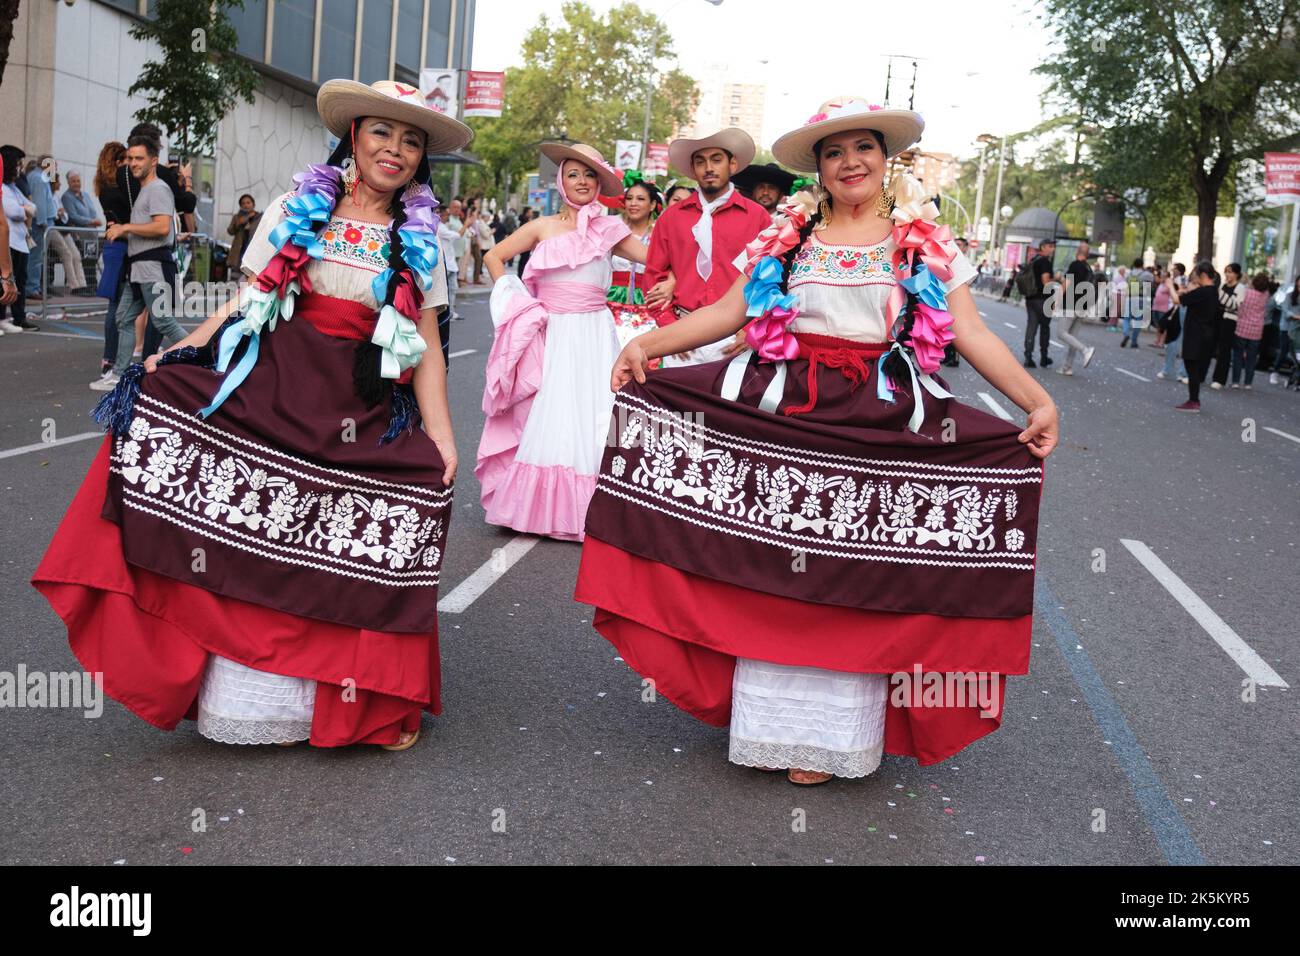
(611,182)
(733,139)
(901,128)
(339,102)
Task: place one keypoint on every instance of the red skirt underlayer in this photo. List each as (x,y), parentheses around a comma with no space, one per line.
(150,637)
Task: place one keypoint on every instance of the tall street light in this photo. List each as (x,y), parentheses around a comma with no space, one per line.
(650,81)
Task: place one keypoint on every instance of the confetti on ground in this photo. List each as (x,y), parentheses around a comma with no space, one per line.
(157,779)
(119,862)
(523,728)
(596,752)
(450,859)
(1214,803)
(871,829)
(970,832)
(240,811)
(898,786)
(1187,799)
(1197,776)
(677,750)
(946,799)
(947,809)
(891,803)
(893,836)
(187,850)
(224,819)
(601,694)
(649,783)
(910,793)
(979,859)
(934,786)
(619,659)
(1268,843)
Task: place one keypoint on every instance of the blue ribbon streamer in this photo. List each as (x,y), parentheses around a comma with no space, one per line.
(923,284)
(763,290)
(234,377)
(301,212)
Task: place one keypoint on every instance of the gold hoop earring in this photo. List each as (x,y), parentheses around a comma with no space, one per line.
(885,203)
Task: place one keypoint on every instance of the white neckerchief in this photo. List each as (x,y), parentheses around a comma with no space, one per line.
(703,232)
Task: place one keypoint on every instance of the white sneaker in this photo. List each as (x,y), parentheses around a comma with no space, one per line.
(1182,380)
(106,382)
(1235,385)
(1160,374)
(1087,355)
(8,326)
(1216,386)
(1248,387)
(1273,379)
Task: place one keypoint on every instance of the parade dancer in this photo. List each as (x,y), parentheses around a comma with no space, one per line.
(546,399)
(641,205)
(773,537)
(257,545)
(694,242)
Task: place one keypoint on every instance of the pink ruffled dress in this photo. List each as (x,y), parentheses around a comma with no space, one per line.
(547,397)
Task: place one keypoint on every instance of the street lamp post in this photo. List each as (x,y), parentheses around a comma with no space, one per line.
(997,194)
(650,83)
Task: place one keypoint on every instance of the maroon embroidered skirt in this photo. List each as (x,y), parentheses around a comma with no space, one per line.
(832,538)
(278,532)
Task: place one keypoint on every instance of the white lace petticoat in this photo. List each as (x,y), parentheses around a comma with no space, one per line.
(807,718)
(240,705)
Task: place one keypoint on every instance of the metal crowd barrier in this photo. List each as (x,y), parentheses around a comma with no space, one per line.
(89,241)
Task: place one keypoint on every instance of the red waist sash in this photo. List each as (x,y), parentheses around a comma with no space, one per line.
(340,318)
(848,356)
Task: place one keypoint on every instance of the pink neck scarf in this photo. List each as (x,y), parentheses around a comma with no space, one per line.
(588,210)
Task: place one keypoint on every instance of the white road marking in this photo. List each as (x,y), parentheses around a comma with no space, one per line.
(1241,652)
(462,352)
(984,315)
(1059,345)
(998,410)
(42,446)
(1276,431)
(472,588)
(70,335)
(1140,378)
(1011,325)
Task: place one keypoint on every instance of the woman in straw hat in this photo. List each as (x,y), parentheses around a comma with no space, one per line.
(547,398)
(258,544)
(807,520)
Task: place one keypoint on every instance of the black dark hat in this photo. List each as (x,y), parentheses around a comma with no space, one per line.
(751,176)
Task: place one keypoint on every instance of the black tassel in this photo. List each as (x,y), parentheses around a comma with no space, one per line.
(369,385)
(406,414)
(114,411)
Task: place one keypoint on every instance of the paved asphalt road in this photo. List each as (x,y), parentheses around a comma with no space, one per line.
(1132,708)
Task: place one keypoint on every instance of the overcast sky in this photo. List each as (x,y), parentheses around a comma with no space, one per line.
(973,70)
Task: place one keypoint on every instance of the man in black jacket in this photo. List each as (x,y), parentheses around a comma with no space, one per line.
(1036,305)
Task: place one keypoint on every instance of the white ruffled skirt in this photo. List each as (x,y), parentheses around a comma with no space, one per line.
(239,705)
(807,718)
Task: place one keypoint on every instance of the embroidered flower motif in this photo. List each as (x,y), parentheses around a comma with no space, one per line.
(618,466)
(372,533)
(139,429)
(935,517)
(1015,539)
(250,502)
(257,480)
(130,452)
(1011,504)
(379,509)
(352,234)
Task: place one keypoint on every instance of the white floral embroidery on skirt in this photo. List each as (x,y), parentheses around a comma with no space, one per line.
(239,705)
(807,718)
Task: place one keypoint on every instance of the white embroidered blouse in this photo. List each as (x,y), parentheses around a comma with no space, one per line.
(355,252)
(843,290)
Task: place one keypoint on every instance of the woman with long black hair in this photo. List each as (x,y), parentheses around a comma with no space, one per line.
(258,544)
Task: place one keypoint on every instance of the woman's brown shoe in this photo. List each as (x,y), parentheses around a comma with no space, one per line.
(808,778)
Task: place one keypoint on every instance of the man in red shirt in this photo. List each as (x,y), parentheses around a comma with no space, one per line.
(696,239)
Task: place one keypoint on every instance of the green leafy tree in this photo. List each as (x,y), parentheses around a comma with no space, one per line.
(199,76)
(585,80)
(8,14)
(1180,92)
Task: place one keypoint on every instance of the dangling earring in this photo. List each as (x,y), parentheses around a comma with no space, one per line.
(824,207)
(349,176)
(885,203)
(411,189)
